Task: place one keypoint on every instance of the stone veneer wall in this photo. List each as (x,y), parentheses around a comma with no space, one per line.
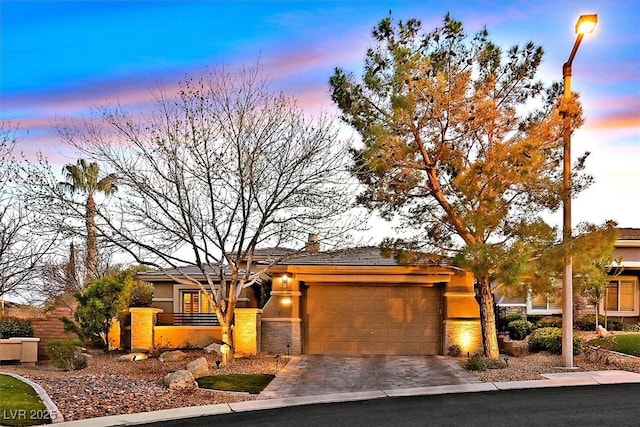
(278,333)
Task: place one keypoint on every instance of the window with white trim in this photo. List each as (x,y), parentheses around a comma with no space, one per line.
(543,304)
(621,297)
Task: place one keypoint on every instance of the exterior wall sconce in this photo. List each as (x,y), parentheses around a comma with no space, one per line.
(285,281)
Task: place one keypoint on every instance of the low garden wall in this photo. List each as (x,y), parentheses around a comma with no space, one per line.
(18,348)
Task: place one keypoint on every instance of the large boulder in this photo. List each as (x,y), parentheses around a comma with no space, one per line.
(199,367)
(213,348)
(180,380)
(172,356)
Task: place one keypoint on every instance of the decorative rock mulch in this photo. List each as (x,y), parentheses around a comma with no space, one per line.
(109,386)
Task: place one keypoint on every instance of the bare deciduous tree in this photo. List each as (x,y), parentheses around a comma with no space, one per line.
(218,169)
(21,251)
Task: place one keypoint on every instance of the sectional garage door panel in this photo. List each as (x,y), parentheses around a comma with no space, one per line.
(372,320)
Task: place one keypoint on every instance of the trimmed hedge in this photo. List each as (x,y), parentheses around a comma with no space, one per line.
(549,322)
(588,323)
(15,327)
(550,339)
(519,329)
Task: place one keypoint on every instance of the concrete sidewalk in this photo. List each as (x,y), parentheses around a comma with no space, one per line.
(565,379)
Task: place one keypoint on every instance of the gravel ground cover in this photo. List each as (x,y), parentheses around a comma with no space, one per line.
(530,366)
(109,386)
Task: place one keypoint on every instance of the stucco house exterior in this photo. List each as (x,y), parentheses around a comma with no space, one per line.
(353,302)
(622,296)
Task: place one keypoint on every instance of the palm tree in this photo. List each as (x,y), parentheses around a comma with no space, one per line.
(84,177)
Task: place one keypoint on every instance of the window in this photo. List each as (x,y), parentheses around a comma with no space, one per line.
(192,301)
(545,302)
(621,296)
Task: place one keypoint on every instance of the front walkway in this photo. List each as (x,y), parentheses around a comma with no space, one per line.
(308,375)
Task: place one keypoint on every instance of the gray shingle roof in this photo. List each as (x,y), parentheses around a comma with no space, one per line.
(362,256)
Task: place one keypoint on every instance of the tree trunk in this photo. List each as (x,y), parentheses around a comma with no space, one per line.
(91,260)
(488,321)
(227,338)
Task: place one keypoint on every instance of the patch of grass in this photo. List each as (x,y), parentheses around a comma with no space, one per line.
(627,343)
(21,405)
(248,383)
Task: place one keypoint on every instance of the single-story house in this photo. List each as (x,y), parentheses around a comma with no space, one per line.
(622,296)
(351,301)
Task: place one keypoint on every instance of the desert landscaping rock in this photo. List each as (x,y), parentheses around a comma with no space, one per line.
(181,380)
(213,348)
(172,356)
(199,368)
(111,387)
(132,357)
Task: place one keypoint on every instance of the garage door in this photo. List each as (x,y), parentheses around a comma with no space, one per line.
(394,320)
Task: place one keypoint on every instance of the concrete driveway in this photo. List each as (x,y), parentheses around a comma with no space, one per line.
(309,375)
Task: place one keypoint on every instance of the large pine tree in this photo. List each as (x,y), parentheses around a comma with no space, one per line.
(463,143)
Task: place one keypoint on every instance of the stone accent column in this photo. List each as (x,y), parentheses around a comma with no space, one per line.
(281,322)
(246,331)
(142,323)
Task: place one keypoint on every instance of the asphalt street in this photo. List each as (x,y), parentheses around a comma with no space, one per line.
(603,405)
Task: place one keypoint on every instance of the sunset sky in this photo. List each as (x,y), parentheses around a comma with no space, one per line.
(60,58)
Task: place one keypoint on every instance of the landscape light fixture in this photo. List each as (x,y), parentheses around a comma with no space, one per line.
(585,25)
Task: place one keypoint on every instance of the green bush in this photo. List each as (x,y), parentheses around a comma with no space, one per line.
(66,354)
(141,294)
(513,316)
(502,322)
(631,327)
(549,322)
(454,351)
(519,329)
(15,327)
(477,362)
(550,339)
(588,323)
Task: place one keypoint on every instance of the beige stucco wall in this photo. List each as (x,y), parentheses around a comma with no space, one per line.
(282,321)
(186,336)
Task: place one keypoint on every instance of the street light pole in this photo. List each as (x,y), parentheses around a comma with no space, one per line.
(586,24)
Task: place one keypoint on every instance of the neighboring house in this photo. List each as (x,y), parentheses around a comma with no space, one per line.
(352,301)
(622,295)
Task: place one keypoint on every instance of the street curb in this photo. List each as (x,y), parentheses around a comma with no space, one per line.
(570,379)
(52,410)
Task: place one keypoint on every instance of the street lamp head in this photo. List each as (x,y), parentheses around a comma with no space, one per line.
(586,24)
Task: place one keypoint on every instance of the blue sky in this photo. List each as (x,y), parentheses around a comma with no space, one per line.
(60,58)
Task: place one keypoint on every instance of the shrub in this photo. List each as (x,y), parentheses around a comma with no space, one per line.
(454,351)
(502,322)
(15,327)
(513,316)
(631,327)
(477,362)
(519,329)
(549,322)
(588,323)
(141,294)
(66,354)
(550,339)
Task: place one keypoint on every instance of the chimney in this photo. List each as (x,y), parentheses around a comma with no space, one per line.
(313,245)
